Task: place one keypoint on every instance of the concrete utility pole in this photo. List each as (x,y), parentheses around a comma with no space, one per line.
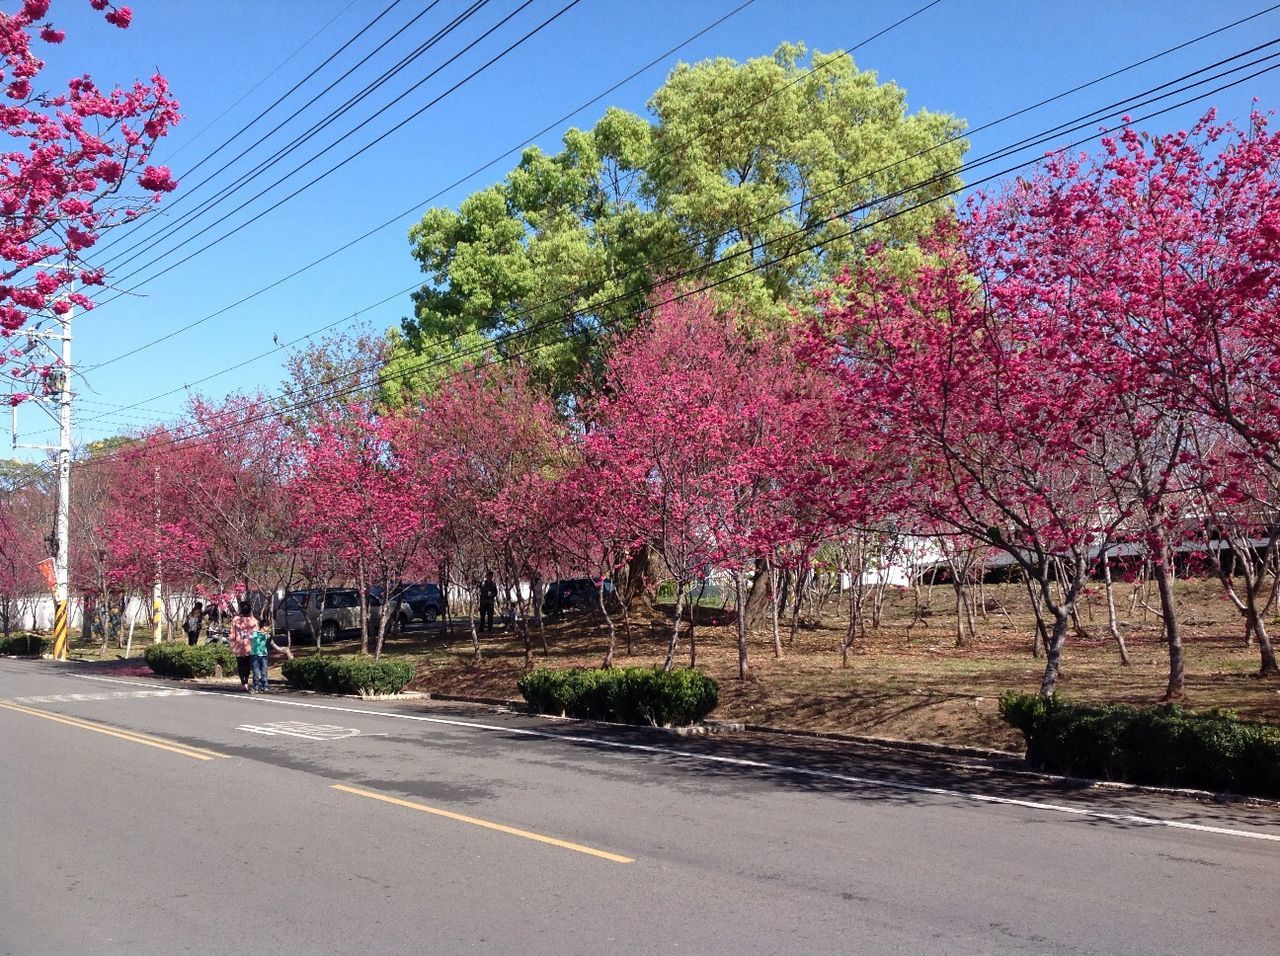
(62,560)
(58,392)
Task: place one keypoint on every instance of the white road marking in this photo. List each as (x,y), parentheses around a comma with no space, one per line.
(299,728)
(1123,818)
(116,695)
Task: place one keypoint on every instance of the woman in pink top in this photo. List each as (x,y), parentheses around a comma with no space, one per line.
(241,639)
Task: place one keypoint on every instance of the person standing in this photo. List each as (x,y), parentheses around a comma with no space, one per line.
(191,624)
(261,645)
(488,599)
(242,627)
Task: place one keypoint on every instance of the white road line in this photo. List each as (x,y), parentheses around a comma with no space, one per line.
(1123,818)
(115,695)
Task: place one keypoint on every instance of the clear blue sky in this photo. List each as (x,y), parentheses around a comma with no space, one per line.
(227,60)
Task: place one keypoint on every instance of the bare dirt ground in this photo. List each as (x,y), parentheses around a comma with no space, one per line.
(905,681)
(904,684)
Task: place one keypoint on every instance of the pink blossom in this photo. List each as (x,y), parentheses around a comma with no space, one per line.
(157,179)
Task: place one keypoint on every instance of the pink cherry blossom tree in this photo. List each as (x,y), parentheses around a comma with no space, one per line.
(1238,507)
(586,526)
(1163,254)
(78,163)
(992,412)
(700,423)
(356,501)
(491,447)
(204,501)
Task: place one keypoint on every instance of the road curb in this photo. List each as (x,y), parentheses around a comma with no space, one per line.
(1000,758)
(919,746)
(716,727)
(509,702)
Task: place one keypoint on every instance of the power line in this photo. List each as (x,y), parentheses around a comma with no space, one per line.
(194,437)
(816,67)
(417,206)
(1067,127)
(281,65)
(145,243)
(337,166)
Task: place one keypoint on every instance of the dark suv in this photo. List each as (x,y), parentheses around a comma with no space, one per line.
(573,593)
(415,602)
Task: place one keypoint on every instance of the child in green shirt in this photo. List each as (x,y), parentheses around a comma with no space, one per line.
(260,645)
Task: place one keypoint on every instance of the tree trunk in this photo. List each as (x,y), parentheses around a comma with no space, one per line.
(471,625)
(364,609)
(128,648)
(740,587)
(105,597)
(757,603)
(1053,652)
(608,620)
(1112,623)
(773,610)
(535,611)
(847,644)
(786,581)
(675,627)
(643,568)
(795,605)
(1172,631)
(1041,639)
(1265,648)
(693,640)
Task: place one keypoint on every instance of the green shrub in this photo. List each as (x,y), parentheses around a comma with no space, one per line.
(347,675)
(628,695)
(179,659)
(1164,746)
(23,644)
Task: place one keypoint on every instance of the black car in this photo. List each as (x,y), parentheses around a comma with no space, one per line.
(573,593)
(416,602)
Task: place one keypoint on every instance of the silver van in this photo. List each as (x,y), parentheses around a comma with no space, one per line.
(328,612)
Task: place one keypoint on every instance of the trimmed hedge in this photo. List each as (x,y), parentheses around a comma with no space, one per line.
(627,695)
(347,675)
(18,645)
(180,659)
(1166,746)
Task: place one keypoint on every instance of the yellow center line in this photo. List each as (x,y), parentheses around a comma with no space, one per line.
(474,821)
(198,753)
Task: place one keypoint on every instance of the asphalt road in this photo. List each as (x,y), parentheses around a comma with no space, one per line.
(141,816)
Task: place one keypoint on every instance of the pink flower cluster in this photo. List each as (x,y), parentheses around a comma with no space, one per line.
(71,154)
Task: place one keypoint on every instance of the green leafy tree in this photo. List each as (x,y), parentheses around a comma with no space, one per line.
(741,165)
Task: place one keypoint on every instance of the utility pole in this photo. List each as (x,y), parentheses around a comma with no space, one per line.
(58,392)
(62,560)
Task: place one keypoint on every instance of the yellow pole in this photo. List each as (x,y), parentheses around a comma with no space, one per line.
(60,630)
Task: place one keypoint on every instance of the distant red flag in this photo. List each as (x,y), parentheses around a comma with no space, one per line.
(46,570)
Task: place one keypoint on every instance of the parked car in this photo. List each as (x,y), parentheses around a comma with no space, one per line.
(573,593)
(328,612)
(290,617)
(422,601)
